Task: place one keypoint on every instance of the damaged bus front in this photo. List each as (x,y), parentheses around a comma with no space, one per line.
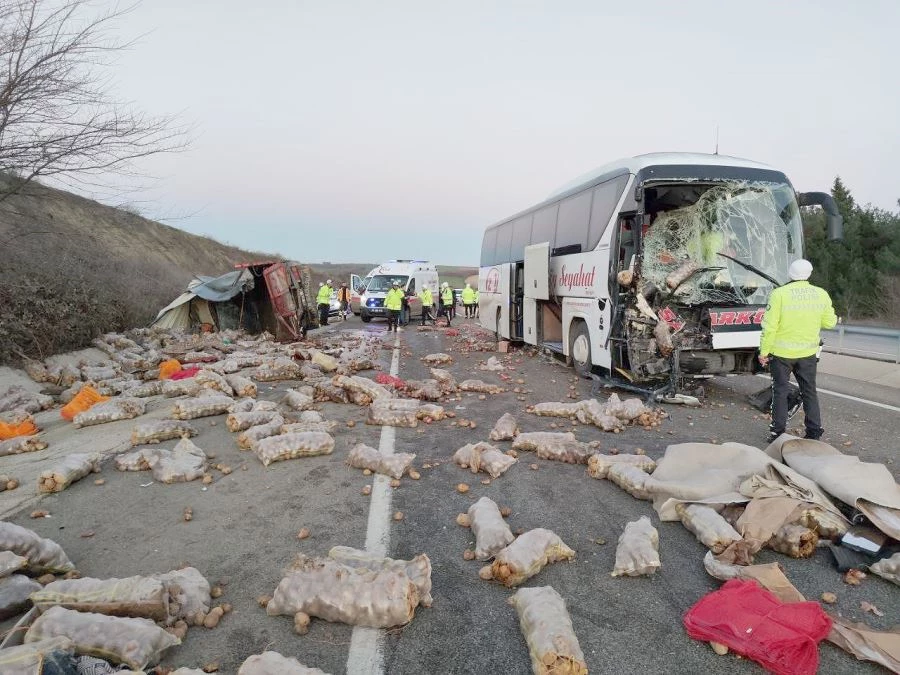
(696,261)
(651,270)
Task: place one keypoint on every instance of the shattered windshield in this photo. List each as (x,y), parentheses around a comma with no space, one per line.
(382,283)
(725,247)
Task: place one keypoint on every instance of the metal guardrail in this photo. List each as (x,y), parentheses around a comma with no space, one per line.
(891,342)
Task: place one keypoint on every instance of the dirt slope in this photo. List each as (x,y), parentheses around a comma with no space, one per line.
(73,268)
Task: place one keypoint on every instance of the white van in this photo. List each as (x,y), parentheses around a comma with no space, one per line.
(412,275)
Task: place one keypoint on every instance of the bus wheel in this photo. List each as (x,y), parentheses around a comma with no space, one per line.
(365,318)
(580,348)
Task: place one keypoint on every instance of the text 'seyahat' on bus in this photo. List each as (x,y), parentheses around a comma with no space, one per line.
(649,270)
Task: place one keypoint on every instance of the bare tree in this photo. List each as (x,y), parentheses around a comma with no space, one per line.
(58,116)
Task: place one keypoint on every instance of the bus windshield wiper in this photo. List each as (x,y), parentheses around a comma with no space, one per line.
(748,266)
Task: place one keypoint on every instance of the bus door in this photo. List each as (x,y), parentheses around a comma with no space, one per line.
(536,288)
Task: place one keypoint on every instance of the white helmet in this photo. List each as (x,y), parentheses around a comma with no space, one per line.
(445,285)
(800,270)
(328,282)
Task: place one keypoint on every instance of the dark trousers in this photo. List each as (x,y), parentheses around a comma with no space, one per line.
(393,318)
(445,311)
(426,314)
(470,310)
(804,371)
(323,314)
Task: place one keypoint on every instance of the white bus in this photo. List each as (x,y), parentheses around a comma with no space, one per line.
(650,269)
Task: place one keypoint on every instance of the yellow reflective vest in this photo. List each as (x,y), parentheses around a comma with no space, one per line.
(447,296)
(394,299)
(427,300)
(794,316)
(323,297)
(468,295)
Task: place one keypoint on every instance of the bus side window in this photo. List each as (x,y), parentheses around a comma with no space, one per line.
(626,241)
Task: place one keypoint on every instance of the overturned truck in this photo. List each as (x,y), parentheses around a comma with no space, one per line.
(650,271)
(274,296)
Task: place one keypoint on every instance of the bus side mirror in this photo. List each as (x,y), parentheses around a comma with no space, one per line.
(834,222)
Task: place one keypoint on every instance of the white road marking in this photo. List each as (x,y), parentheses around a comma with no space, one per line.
(366,655)
(848,396)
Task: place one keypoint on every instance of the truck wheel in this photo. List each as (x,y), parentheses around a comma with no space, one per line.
(365,318)
(580,348)
(497,327)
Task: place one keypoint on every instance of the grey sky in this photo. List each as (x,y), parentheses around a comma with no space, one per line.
(363,131)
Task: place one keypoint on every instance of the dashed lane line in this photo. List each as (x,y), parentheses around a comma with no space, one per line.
(366,656)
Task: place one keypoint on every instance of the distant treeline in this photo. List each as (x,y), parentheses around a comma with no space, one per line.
(862,272)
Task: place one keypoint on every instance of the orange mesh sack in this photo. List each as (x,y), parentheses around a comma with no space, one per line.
(84,400)
(25,427)
(168,368)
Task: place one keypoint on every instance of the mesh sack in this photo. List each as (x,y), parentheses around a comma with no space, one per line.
(132,642)
(185,387)
(394,412)
(638,551)
(445,380)
(599,464)
(11,562)
(249,438)
(122,408)
(202,406)
(491,532)
(186,462)
(483,457)
(22,444)
(430,411)
(361,384)
(438,359)
(15,591)
(530,441)
(30,659)
(133,596)
(281,368)
(888,568)
(273,663)
(301,427)
(329,590)
(505,429)
(138,460)
(418,569)
(481,387)
(242,386)
(44,555)
(66,471)
(160,430)
(189,593)
(630,478)
(209,379)
(710,528)
(424,390)
(547,627)
(795,541)
(528,555)
(292,446)
(556,409)
(240,421)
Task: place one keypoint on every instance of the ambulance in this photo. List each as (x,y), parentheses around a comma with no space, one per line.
(412,275)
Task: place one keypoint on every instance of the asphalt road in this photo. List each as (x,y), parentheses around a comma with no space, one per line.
(245,525)
(881,347)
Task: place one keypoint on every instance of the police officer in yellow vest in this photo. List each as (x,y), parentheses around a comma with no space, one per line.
(446,301)
(789,344)
(468,298)
(427,304)
(393,303)
(323,300)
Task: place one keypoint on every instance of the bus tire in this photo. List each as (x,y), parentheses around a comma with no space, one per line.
(580,348)
(365,318)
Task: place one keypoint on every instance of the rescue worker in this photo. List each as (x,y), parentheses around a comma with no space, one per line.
(468,300)
(344,299)
(393,303)
(427,305)
(789,344)
(476,303)
(323,300)
(446,301)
